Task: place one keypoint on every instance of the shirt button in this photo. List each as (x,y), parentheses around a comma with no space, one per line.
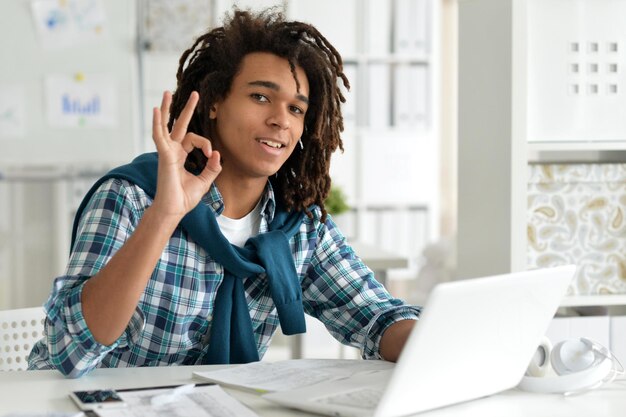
(262,275)
(209,317)
(216,205)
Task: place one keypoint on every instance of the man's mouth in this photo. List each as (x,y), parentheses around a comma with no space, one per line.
(271,143)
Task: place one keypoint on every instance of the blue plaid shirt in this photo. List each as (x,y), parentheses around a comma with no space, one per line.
(172,320)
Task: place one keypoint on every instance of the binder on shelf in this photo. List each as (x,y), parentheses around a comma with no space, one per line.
(379,102)
(410,107)
(402,27)
(379,34)
(402,96)
(410,27)
(419,28)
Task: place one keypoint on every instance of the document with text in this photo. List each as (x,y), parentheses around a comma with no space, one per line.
(199,401)
(291,374)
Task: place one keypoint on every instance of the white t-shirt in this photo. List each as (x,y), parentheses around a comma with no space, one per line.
(238,231)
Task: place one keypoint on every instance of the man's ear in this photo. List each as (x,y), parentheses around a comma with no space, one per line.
(213,112)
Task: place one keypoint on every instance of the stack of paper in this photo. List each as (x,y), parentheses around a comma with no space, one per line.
(292,374)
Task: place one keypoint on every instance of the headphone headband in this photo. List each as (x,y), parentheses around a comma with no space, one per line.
(576,381)
(579,366)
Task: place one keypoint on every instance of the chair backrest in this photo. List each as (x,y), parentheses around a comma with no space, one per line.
(19,330)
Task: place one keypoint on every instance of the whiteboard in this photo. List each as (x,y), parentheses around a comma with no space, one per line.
(26,65)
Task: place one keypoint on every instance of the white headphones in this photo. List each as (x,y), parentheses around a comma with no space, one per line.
(571,366)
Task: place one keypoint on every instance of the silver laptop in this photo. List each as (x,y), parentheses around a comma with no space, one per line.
(475,338)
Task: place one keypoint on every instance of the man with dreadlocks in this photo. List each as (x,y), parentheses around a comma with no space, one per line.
(195,254)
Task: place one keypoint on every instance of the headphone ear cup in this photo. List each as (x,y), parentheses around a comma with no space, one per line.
(573,355)
(540,362)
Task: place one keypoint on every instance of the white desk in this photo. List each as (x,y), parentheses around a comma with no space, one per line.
(38,391)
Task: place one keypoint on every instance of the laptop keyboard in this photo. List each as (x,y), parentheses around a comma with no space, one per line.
(367,398)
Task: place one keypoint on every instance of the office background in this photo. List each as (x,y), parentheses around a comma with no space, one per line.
(126,53)
(536,186)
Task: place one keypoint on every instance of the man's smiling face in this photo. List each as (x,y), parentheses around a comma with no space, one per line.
(261,120)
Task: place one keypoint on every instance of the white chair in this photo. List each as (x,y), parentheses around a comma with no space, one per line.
(19,330)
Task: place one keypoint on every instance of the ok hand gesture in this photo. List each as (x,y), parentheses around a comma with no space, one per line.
(179,191)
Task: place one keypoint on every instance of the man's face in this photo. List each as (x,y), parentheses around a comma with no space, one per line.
(261,120)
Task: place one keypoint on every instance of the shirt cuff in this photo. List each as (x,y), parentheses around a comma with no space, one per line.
(380,323)
(79,331)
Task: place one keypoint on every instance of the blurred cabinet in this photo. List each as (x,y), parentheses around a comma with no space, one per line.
(542,81)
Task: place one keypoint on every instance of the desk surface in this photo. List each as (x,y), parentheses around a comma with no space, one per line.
(38,391)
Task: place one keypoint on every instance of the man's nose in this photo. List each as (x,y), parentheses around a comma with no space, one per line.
(279,117)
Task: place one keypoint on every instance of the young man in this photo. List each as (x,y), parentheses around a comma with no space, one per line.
(196,256)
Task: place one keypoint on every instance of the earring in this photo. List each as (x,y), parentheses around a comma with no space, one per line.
(301,144)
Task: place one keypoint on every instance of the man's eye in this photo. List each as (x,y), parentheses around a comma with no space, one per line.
(297,110)
(259,97)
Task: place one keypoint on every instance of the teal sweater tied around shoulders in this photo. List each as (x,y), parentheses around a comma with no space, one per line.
(232,338)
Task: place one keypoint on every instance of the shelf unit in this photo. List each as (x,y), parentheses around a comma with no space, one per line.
(501,68)
(574,154)
(594,300)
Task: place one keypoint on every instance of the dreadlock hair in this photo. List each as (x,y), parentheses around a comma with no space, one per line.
(213,61)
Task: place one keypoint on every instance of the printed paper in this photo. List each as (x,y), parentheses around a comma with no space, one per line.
(80,101)
(67,23)
(12,112)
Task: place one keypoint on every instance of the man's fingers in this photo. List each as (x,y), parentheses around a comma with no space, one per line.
(157,133)
(166,102)
(212,168)
(182,122)
(192,141)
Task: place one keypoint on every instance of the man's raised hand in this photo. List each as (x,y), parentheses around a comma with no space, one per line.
(179,191)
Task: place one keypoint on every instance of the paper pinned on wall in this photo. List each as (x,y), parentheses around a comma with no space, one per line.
(68,23)
(81,100)
(12,112)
